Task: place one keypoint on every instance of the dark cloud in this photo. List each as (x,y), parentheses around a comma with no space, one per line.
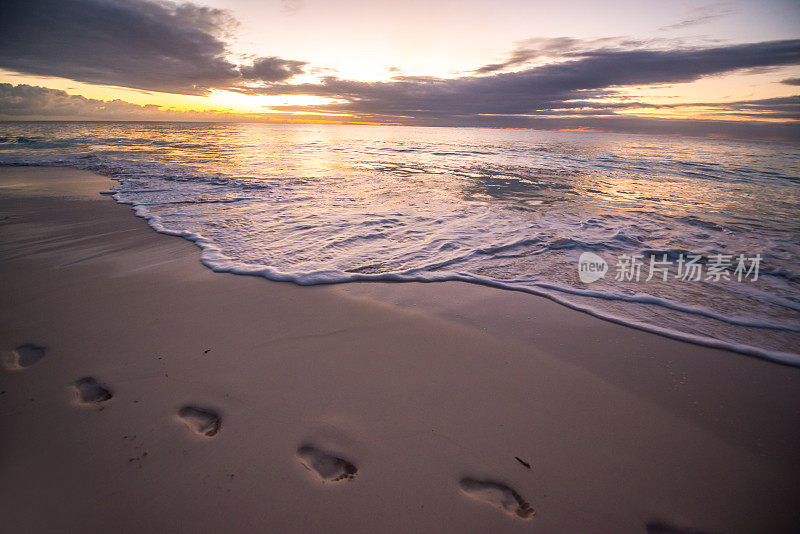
(530,50)
(787,108)
(702,15)
(791,81)
(586,75)
(143,44)
(642,67)
(130,43)
(272,69)
(25,102)
(541,48)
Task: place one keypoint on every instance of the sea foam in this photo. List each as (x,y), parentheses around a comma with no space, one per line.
(509,209)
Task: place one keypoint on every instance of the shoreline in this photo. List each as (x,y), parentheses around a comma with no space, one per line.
(623,428)
(781,357)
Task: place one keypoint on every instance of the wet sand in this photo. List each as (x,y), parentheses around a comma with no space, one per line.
(148,393)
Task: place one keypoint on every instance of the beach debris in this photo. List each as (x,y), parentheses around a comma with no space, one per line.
(523,462)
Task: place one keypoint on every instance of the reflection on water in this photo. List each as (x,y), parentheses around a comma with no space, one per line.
(507,207)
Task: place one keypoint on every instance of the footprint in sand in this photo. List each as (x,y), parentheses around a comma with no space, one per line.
(89,391)
(498,495)
(200,420)
(22,357)
(327,467)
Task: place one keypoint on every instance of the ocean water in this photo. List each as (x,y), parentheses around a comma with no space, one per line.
(509,208)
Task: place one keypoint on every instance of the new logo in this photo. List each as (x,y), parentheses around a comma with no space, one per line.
(591,267)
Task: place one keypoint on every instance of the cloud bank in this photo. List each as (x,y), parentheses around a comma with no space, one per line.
(580,82)
(142,44)
(26,102)
(183,48)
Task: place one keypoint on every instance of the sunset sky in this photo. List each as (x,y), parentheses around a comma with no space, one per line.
(688,67)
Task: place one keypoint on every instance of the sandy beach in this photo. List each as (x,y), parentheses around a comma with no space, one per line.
(150,394)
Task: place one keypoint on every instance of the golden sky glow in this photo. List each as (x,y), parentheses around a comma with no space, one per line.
(215,101)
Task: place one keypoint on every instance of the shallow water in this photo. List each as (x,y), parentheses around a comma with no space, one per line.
(511,208)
